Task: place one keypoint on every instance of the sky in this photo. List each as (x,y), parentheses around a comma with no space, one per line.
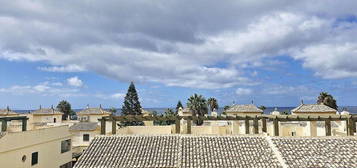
(272,52)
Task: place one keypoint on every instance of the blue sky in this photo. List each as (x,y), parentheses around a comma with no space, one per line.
(275,53)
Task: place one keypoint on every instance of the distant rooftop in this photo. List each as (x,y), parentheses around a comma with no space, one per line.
(312,108)
(244,108)
(94,111)
(84,126)
(7,111)
(46,111)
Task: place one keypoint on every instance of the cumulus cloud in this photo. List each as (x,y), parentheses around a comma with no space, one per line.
(75,81)
(243,91)
(43,89)
(167,42)
(330,61)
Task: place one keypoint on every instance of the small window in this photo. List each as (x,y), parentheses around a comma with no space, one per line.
(65,146)
(54,120)
(34,158)
(86,137)
(293,133)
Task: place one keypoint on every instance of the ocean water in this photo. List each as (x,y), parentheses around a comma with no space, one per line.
(351,109)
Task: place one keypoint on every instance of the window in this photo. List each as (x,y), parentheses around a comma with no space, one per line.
(86,137)
(54,120)
(65,146)
(34,158)
(67,165)
(293,133)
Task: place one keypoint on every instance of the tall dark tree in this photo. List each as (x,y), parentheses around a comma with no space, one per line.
(65,107)
(327,99)
(212,103)
(198,105)
(179,104)
(131,104)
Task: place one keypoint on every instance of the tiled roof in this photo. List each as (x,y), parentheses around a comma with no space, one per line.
(227,151)
(46,111)
(244,108)
(84,126)
(131,151)
(318,152)
(178,151)
(313,108)
(4,112)
(93,111)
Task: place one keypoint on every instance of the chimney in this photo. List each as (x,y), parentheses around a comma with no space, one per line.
(40,107)
(7,108)
(302,101)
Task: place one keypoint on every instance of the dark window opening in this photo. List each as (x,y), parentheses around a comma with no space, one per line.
(85,137)
(65,146)
(34,158)
(54,120)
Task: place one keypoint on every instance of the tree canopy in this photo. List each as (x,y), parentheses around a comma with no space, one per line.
(327,99)
(131,104)
(198,105)
(65,107)
(212,103)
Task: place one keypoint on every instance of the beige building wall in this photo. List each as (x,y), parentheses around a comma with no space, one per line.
(147,130)
(37,118)
(77,137)
(92,117)
(47,142)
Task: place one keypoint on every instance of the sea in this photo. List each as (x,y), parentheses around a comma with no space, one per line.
(268,110)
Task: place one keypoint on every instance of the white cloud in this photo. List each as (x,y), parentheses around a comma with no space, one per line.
(181,47)
(118,95)
(68,68)
(75,81)
(42,89)
(243,91)
(330,60)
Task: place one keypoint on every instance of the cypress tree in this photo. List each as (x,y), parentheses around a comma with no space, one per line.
(131,105)
(131,102)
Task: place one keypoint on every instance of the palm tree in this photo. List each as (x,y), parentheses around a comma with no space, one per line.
(212,103)
(327,99)
(198,105)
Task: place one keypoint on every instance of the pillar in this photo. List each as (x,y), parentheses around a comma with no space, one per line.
(256,126)
(102,126)
(177,126)
(313,128)
(350,131)
(3,125)
(24,124)
(189,122)
(276,127)
(246,126)
(264,123)
(328,127)
(114,127)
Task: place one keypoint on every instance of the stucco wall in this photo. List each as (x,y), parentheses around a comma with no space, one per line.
(47,142)
(77,137)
